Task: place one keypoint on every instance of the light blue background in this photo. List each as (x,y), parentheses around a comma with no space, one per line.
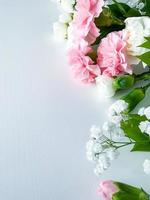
(45,116)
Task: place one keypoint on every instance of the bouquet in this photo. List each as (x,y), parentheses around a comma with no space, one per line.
(106,42)
(108,46)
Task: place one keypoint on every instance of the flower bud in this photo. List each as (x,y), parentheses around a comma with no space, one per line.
(124,82)
(107,189)
(110,190)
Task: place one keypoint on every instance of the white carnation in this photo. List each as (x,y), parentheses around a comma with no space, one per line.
(60,30)
(138,28)
(105,86)
(145,127)
(146,166)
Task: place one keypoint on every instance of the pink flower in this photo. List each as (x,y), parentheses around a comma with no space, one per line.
(83,26)
(83,67)
(81,34)
(112,57)
(107,189)
(92,6)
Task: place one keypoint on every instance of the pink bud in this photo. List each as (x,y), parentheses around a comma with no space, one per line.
(106,189)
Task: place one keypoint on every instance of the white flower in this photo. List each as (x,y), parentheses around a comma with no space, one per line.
(146,166)
(145,127)
(99,169)
(113,130)
(104,86)
(95,132)
(147,112)
(112,153)
(89,145)
(118,107)
(138,28)
(116,119)
(102,164)
(60,30)
(104,161)
(67,5)
(65,18)
(90,155)
(97,148)
(141,111)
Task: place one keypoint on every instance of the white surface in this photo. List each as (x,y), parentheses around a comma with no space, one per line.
(45,116)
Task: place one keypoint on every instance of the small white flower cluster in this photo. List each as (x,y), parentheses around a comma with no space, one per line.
(146,166)
(100,150)
(117,111)
(102,147)
(60,27)
(145,125)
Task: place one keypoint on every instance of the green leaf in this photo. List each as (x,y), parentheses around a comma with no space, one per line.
(145,58)
(146,8)
(131,129)
(133,98)
(145,45)
(124,196)
(129,192)
(122,10)
(143,146)
(133,13)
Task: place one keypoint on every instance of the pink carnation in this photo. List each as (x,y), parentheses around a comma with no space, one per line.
(83,26)
(83,67)
(82,33)
(112,57)
(107,189)
(93,7)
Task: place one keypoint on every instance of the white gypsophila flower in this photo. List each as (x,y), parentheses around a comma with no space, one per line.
(145,127)
(90,156)
(137,28)
(116,119)
(118,107)
(98,170)
(89,145)
(104,86)
(112,153)
(141,111)
(65,18)
(146,166)
(60,30)
(104,161)
(95,132)
(102,164)
(113,130)
(67,5)
(97,148)
(147,112)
